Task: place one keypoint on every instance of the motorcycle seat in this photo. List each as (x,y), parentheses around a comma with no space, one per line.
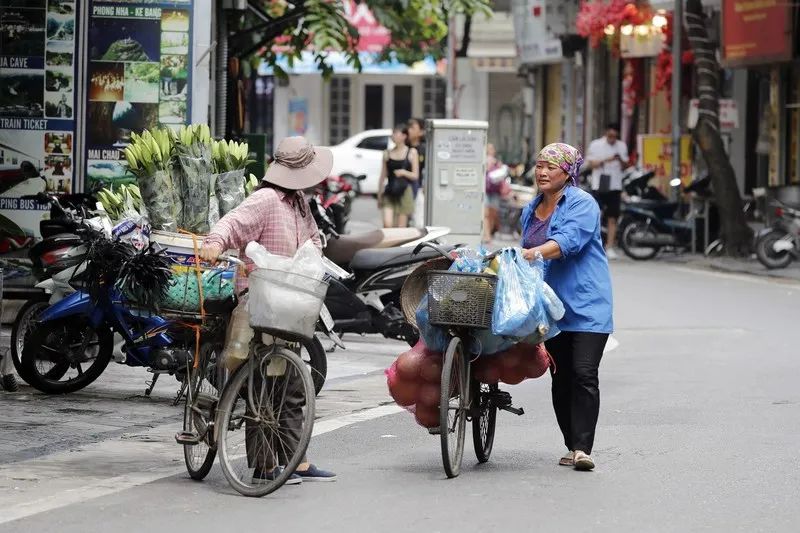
(377,258)
(343,250)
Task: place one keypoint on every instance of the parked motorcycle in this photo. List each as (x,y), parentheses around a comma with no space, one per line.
(380,260)
(337,194)
(652,222)
(779,245)
(78,330)
(59,251)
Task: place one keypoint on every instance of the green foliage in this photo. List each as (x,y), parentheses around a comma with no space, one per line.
(418,28)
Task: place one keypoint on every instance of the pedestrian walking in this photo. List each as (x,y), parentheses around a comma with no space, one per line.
(395,188)
(276,216)
(495,189)
(416,139)
(563,224)
(608,157)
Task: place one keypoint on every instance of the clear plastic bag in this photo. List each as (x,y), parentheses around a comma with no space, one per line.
(159,193)
(516,313)
(229,189)
(307,261)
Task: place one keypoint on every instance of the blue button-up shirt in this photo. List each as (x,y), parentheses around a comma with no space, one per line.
(580,277)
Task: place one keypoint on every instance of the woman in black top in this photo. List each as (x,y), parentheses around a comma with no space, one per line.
(400,170)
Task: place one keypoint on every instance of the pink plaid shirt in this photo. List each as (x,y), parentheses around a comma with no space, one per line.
(270,218)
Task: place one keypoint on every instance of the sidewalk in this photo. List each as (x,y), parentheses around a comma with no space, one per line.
(749,266)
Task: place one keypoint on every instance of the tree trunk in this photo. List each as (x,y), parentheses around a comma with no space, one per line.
(735,232)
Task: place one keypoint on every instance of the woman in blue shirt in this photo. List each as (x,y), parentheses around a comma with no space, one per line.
(563,224)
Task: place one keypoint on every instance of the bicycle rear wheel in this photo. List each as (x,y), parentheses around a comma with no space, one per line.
(483,425)
(202,396)
(265,419)
(453,407)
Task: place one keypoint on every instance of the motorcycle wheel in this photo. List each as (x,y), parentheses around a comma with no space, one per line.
(313,354)
(54,349)
(20,331)
(637,253)
(767,256)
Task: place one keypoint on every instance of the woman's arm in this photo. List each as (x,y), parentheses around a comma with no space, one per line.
(239,227)
(382,180)
(413,174)
(549,250)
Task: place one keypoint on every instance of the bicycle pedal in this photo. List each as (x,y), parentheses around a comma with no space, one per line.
(501,399)
(435,431)
(187,438)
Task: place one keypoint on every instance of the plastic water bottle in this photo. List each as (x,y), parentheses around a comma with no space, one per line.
(239,335)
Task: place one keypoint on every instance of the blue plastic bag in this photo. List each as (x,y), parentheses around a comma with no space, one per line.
(484,342)
(435,338)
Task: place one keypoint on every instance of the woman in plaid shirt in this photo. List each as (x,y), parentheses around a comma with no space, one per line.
(277,217)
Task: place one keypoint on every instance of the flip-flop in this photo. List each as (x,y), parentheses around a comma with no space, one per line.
(567,460)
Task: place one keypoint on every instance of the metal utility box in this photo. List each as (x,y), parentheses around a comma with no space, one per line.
(455,177)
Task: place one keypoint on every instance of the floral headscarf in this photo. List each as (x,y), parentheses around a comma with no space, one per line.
(567,157)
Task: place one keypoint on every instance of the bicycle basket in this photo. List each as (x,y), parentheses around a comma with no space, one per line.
(461,299)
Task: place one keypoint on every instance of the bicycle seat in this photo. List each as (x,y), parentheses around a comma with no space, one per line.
(377,258)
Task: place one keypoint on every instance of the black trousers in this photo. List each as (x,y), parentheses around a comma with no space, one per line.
(576,393)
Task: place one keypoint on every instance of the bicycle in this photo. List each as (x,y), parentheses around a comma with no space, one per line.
(260,418)
(462,302)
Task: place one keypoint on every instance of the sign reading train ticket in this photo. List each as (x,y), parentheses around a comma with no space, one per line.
(37,117)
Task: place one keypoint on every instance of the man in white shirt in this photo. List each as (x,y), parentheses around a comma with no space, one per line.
(608,157)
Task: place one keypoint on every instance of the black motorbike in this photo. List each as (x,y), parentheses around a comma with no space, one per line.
(651,222)
(380,261)
(61,248)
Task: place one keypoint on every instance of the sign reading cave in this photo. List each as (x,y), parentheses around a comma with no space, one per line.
(139,77)
(37,123)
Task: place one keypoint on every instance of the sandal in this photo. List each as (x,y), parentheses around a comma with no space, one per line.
(567,460)
(583,461)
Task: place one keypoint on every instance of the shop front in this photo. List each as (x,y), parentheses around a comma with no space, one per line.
(759,40)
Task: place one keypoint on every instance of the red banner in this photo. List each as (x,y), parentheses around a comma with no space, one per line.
(756,32)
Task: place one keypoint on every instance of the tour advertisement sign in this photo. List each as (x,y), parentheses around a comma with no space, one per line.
(139,76)
(37,108)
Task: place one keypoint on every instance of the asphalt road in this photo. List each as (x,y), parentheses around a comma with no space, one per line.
(699,421)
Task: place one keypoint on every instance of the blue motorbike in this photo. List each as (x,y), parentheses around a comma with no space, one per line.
(73,340)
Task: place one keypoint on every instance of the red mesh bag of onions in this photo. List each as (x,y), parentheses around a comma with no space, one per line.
(414,381)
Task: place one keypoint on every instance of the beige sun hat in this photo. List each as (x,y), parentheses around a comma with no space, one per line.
(298,164)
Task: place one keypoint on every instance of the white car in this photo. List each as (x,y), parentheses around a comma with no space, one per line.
(362,154)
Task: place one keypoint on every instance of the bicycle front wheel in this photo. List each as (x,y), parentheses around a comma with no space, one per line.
(453,407)
(202,395)
(265,420)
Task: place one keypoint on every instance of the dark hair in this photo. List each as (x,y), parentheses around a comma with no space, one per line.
(418,121)
(613,126)
(402,128)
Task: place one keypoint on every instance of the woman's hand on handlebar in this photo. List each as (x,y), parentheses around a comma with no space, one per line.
(210,253)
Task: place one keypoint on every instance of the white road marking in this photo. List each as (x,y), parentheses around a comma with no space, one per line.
(73,495)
